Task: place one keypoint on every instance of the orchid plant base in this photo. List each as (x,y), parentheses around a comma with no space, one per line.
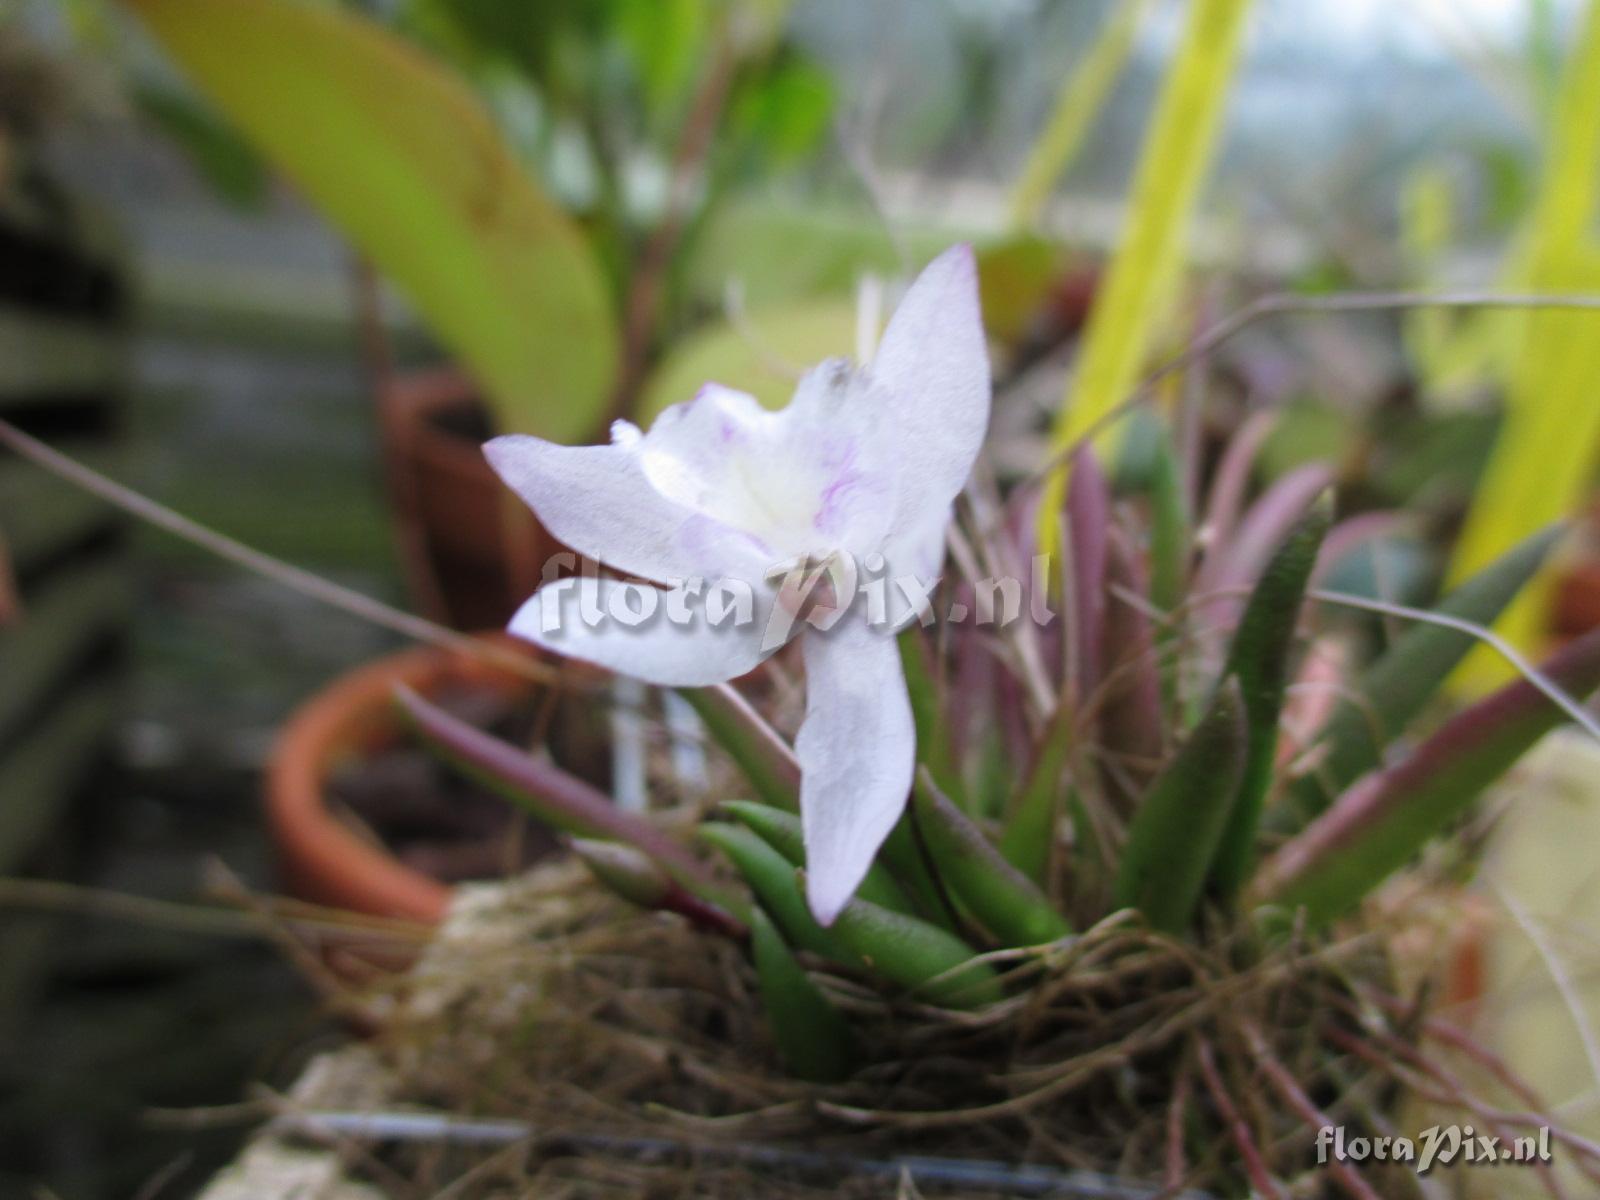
(638,1049)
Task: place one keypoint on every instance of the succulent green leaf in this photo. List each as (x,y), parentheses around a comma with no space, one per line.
(1170,544)
(1386,818)
(1002,898)
(1030,834)
(771,878)
(1131,720)
(639,880)
(933,963)
(1087,513)
(1180,822)
(909,865)
(927,713)
(625,871)
(1394,689)
(1259,660)
(755,748)
(814,1041)
(781,830)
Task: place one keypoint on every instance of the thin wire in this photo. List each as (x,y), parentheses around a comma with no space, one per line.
(50,896)
(1027,1180)
(1288,304)
(307,583)
(1557,695)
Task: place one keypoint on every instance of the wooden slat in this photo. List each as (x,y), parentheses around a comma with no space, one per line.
(10,596)
(39,777)
(39,513)
(28,943)
(59,622)
(43,357)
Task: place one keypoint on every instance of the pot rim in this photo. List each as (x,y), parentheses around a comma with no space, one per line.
(318,851)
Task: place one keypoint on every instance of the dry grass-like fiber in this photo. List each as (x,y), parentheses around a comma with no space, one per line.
(636,1050)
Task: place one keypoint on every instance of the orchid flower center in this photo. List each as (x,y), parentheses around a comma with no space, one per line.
(797,481)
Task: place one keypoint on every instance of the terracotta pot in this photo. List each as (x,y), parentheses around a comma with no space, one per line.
(323,859)
(472,551)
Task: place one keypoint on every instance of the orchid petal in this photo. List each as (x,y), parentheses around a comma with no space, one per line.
(914,560)
(818,475)
(856,750)
(935,362)
(598,500)
(645,645)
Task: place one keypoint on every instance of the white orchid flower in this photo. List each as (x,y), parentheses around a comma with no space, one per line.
(862,465)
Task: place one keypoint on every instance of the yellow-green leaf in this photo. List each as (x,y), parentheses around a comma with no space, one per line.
(1079,103)
(398,154)
(1544,456)
(1172,165)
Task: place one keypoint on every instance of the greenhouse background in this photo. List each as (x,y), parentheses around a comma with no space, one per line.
(235,360)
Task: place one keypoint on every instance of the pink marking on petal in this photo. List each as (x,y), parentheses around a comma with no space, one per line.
(837,492)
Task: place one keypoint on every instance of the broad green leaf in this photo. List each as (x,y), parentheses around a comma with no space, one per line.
(1138,285)
(1179,823)
(815,1042)
(1542,464)
(1386,818)
(780,115)
(399,155)
(1259,660)
(228,164)
(1393,690)
(762,356)
(666,39)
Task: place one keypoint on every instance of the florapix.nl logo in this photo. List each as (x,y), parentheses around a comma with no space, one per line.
(1436,1146)
(814,590)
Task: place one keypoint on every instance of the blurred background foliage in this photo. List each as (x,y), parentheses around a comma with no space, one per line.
(752,161)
